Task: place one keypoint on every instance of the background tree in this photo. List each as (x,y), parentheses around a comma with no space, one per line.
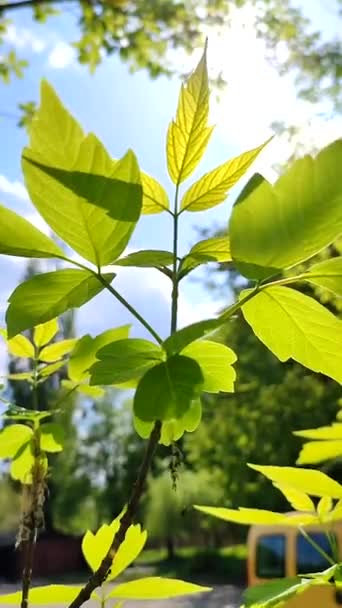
(145,33)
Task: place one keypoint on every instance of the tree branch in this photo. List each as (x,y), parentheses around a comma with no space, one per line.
(101,573)
(8,6)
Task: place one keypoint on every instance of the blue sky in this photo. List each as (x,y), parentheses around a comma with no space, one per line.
(131,111)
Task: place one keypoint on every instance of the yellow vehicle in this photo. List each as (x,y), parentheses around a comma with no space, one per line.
(279,551)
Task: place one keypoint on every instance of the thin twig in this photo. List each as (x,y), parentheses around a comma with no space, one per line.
(101,573)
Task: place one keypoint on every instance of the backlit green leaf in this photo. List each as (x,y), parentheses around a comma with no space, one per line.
(94,392)
(22,464)
(181,338)
(128,551)
(277,227)
(324,506)
(250,517)
(155,199)
(125,360)
(56,351)
(314,452)
(327,274)
(275,593)
(298,500)
(84,354)
(99,200)
(48,370)
(215,361)
(293,325)
(12,438)
(212,189)
(95,546)
(19,346)
(188,134)
(48,295)
(309,481)
(51,437)
(146,259)
(20,238)
(21,376)
(43,334)
(43,596)
(215,249)
(167,390)
(334,431)
(174,429)
(156,588)
(14,412)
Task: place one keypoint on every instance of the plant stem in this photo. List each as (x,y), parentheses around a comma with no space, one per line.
(32,537)
(101,573)
(174,305)
(317,547)
(131,309)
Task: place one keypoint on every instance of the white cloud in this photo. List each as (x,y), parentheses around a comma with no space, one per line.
(14,188)
(61,56)
(24,38)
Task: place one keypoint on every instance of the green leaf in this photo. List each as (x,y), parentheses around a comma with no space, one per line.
(309,481)
(46,296)
(327,274)
(213,187)
(19,346)
(51,437)
(289,222)
(324,506)
(47,370)
(96,546)
(156,588)
(155,199)
(333,431)
(22,464)
(19,238)
(99,200)
(173,429)
(84,354)
(43,334)
(21,376)
(215,249)
(314,452)
(276,592)
(12,438)
(293,325)
(43,596)
(167,390)
(298,500)
(148,258)
(181,338)
(250,517)
(128,551)
(56,351)
(188,134)
(124,360)
(215,361)
(84,388)
(14,412)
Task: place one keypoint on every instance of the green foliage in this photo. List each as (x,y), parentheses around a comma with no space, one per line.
(327,274)
(293,325)
(100,201)
(48,295)
(19,238)
(167,390)
(285,224)
(188,134)
(125,360)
